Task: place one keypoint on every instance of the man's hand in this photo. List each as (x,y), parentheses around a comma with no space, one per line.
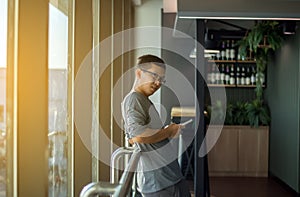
(131,141)
(170,131)
(174,130)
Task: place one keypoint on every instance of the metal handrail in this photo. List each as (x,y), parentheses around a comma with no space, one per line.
(99,188)
(128,174)
(120,189)
(114,162)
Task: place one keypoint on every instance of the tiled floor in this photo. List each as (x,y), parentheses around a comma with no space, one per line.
(247,187)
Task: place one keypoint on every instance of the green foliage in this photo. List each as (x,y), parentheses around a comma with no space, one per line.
(258,113)
(264,37)
(241,113)
(236,114)
(253,113)
(230,114)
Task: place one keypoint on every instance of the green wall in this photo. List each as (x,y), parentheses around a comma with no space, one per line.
(282,94)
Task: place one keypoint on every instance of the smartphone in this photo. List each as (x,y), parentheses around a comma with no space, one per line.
(187,122)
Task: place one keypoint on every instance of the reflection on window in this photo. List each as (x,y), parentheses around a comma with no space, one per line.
(58,80)
(3,62)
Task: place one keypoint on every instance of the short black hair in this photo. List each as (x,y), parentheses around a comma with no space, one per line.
(144,60)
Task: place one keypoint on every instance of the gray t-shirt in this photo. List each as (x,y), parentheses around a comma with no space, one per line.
(158,167)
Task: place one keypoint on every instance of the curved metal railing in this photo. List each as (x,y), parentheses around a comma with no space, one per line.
(120,189)
(115,161)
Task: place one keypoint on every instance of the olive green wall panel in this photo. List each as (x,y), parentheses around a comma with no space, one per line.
(282,94)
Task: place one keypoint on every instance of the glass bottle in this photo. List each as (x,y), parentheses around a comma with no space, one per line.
(232,79)
(243,77)
(223,53)
(227,50)
(232,50)
(253,76)
(217,74)
(222,74)
(238,79)
(212,76)
(248,76)
(227,75)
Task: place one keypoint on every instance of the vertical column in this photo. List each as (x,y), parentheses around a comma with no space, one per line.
(128,57)
(83,45)
(95,91)
(32,122)
(11,98)
(118,26)
(106,27)
(201,183)
(70,96)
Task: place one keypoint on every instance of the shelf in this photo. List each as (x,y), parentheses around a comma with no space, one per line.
(246,61)
(246,86)
(222,61)
(221,85)
(231,86)
(233,61)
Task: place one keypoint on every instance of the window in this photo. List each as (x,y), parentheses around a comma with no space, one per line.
(3,63)
(58,98)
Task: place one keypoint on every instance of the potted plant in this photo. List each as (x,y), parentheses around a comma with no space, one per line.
(257,113)
(236,114)
(263,38)
(253,113)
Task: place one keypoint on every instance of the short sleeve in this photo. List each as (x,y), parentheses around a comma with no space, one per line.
(136,117)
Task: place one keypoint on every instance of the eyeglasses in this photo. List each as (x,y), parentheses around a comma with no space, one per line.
(155,76)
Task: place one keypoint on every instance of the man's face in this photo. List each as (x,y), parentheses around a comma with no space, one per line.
(151,79)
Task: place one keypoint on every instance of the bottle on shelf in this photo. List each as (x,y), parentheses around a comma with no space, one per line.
(240,57)
(212,75)
(217,74)
(232,50)
(238,76)
(223,53)
(227,50)
(232,79)
(248,76)
(227,75)
(218,56)
(243,76)
(253,76)
(222,74)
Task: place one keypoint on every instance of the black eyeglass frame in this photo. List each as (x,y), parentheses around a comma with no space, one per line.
(155,76)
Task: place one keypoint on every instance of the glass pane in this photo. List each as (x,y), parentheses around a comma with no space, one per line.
(3,62)
(58,99)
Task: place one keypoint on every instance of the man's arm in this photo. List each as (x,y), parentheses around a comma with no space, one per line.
(150,136)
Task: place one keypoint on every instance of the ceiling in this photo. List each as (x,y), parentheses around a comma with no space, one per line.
(188,26)
(239,9)
(231,15)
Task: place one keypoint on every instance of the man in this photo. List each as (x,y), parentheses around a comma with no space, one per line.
(158,171)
